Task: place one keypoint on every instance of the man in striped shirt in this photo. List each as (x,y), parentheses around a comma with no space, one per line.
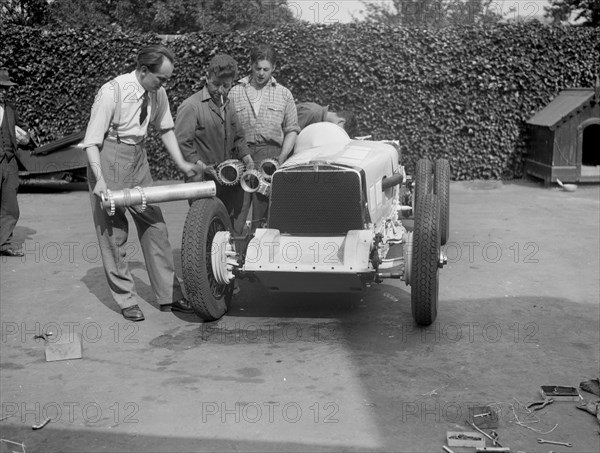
(267,112)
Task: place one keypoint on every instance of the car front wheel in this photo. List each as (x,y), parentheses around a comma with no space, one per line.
(209,298)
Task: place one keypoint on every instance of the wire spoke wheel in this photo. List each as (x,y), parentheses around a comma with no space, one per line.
(209,298)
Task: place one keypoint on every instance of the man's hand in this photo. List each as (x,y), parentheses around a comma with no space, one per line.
(189,169)
(22,136)
(210,170)
(250,165)
(100,188)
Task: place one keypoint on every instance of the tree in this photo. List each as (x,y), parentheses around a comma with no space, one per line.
(431,13)
(23,12)
(171,16)
(587,11)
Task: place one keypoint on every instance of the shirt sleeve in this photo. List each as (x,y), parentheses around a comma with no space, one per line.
(162,119)
(185,131)
(101,116)
(290,121)
(239,138)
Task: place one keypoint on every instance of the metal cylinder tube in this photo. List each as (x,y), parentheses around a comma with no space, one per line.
(139,196)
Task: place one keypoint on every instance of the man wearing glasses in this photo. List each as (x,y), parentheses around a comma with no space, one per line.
(114,142)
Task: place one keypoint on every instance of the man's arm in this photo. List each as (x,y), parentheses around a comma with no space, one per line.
(93,155)
(101,115)
(287,147)
(239,142)
(185,131)
(187,168)
(290,127)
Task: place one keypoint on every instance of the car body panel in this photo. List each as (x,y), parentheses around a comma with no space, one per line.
(300,259)
(329,144)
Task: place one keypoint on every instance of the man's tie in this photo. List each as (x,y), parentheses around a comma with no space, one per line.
(144,111)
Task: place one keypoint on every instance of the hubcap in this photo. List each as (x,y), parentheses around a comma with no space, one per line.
(223,258)
(443,260)
(217,288)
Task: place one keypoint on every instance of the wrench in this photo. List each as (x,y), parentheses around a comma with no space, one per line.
(543,441)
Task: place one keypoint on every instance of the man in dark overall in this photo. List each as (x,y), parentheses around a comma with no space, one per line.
(209,132)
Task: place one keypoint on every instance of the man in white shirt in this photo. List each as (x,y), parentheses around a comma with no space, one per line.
(122,111)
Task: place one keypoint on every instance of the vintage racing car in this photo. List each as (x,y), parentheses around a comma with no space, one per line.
(334,226)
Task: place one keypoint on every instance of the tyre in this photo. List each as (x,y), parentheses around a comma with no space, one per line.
(441,172)
(205,218)
(425,259)
(423,181)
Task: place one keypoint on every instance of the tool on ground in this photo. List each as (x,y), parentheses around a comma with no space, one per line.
(544,441)
(20,444)
(483,416)
(495,436)
(65,347)
(41,425)
(485,434)
(446,449)
(538,405)
(560,393)
(464,439)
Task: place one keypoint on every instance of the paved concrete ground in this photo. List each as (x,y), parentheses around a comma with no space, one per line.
(519,308)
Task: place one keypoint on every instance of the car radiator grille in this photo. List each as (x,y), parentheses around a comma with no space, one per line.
(309,202)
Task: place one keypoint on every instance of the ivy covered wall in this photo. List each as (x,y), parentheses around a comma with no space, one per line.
(458,93)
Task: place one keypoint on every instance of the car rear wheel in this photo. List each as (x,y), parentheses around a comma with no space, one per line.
(425,259)
(423,181)
(441,171)
(209,298)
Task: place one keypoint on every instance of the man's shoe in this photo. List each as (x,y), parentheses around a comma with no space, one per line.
(133,313)
(180,305)
(11,252)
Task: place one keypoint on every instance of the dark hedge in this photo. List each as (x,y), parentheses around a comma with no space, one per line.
(458,93)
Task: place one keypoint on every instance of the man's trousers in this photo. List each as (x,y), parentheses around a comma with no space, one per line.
(126,166)
(9,207)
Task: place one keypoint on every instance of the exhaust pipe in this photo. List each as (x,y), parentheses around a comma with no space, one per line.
(230,172)
(267,167)
(260,180)
(141,196)
(250,181)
